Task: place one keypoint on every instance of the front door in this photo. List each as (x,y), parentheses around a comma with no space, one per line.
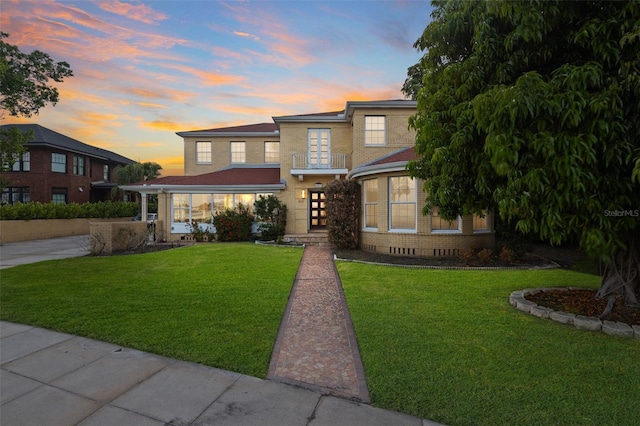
(317,212)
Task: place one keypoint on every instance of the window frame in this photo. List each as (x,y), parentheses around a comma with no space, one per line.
(367,203)
(372,135)
(202,155)
(59,192)
(105,172)
(270,154)
(62,165)
(458,230)
(235,154)
(15,194)
(413,202)
(78,167)
(22,163)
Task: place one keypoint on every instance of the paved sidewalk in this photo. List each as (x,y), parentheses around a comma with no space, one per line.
(50,378)
(316,346)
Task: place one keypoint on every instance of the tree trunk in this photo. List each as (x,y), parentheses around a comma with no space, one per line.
(622,276)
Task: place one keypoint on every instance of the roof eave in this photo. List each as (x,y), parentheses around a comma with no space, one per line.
(398,166)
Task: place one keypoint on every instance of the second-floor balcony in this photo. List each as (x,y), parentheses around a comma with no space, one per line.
(321,164)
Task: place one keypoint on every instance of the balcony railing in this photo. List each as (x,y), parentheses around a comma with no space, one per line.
(333,161)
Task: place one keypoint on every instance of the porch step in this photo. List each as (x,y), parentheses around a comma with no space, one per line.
(313,238)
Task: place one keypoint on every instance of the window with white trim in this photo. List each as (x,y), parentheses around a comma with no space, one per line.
(105,172)
(203,152)
(370,201)
(272,152)
(441,225)
(375,130)
(402,204)
(238,152)
(58,162)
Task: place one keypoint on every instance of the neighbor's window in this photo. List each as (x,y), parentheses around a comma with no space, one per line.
(374,130)
(78,165)
(58,163)
(438,224)
(370,197)
(402,203)
(203,152)
(272,152)
(105,172)
(238,152)
(15,195)
(22,162)
(59,195)
(481,224)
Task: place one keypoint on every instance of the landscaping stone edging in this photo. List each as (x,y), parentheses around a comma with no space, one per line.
(551,265)
(620,329)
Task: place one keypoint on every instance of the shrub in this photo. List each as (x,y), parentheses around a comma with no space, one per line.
(507,255)
(466,254)
(37,210)
(485,255)
(233,224)
(271,213)
(200,234)
(343,211)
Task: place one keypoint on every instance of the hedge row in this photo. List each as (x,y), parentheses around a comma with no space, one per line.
(37,210)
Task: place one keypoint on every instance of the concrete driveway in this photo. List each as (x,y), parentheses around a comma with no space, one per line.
(13,254)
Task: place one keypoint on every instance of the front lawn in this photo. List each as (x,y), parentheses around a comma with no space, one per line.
(215,304)
(447,346)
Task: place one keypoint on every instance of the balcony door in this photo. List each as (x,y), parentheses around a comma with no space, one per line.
(319,148)
(317,211)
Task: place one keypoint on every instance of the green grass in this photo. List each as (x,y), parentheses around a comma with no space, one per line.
(215,304)
(447,346)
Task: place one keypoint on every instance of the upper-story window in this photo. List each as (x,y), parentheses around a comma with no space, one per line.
(58,163)
(203,152)
(22,163)
(375,130)
(370,201)
(238,152)
(272,152)
(319,153)
(402,204)
(441,225)
(78,165)
(105,172)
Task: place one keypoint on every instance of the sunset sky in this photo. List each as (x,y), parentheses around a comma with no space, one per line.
(144,70)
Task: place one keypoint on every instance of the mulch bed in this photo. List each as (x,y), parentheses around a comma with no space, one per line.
(584,302)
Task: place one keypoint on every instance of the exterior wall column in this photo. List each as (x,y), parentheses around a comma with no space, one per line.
(143,198)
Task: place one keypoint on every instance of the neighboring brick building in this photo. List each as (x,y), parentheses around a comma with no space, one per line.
(295,157)
(59,169)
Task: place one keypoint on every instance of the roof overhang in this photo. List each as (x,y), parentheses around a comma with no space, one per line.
(204,189)
(399,166)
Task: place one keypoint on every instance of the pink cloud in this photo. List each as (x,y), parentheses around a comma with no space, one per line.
(141,12)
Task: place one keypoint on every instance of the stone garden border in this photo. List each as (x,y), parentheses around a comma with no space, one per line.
(620,329)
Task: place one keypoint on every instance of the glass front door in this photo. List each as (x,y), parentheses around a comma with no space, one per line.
(317,212)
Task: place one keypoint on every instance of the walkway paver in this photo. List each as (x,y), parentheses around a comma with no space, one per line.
(316,346)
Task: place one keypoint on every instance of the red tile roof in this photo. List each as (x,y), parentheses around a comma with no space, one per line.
(406,154)
(231,176)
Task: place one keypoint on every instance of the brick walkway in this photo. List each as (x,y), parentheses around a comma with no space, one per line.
(316,346)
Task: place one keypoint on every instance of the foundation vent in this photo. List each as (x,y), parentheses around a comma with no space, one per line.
(446,252)
(402,250)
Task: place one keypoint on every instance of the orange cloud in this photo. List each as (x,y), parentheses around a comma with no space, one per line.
(139,12)
(161,125)
(248,35)
(208,78)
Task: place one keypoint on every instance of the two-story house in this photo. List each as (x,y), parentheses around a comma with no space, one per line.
(56,168)
(295,157)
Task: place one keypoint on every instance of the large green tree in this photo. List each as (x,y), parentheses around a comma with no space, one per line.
(133,173)
(24,89)
(532,109)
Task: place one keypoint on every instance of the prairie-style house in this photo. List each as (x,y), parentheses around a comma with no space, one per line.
(58,169)
(295,157)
